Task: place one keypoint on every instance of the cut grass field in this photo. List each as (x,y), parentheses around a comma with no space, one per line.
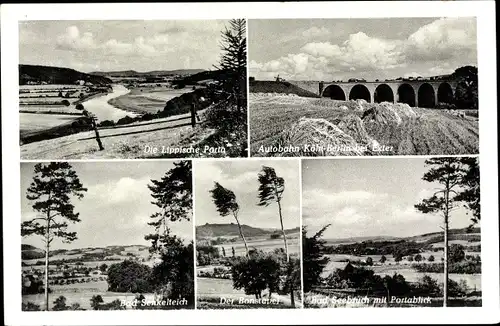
(32,123)
(416,132)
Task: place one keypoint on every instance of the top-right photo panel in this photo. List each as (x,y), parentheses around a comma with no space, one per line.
(362,87)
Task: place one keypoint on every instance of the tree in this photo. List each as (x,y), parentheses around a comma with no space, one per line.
(470,193)
(466,94)
(225,201)
(129,276)
(398,257)
(256,273)
(233,61)
(369,261)
(271,188)
(103,267)
(173,277)
(223,252)
(232,249)
(54,184)
(95,301)
(448,172)
(418,257)
(313,261)
(173,195)
(60,304)
(383,259)
(410,258)
(457,253)
(431,258)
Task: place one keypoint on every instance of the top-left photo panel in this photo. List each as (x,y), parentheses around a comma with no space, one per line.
(132,89)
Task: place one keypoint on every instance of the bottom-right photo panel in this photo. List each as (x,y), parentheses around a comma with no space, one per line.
(391,232)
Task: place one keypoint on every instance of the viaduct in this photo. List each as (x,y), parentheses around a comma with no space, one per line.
(416,93)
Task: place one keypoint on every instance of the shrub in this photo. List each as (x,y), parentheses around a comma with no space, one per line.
(129,276)
(431,258)
(60,304)
(30,306)
(65,102)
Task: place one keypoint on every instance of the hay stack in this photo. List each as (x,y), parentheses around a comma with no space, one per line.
(320,133)
(383,113)
(353,126)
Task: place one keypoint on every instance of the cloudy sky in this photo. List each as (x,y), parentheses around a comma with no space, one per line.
(374,197)
(121,45)
(240,176)
(333,49)
(116,207)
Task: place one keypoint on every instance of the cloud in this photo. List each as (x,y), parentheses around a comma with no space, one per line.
(443,39)
(72,39)
(437,41)
(316,32)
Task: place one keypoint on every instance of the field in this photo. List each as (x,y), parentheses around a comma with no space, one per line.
(219,294)
(404,268)
(32,123)
(95,282)
(401,130)
(263,243)
(147,99)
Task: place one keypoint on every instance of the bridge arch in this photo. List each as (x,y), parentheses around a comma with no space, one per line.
(360,91)
(383,93)
(445,93)
(335,92)
(426,96)
(406,94)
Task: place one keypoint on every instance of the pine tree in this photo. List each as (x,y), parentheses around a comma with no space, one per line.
(448,172)
(50,192)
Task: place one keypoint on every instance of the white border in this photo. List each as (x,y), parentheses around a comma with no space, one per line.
(483,10)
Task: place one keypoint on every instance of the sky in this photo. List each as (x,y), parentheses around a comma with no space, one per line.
(121,45)
(240,176)
(339,49)
(370,197)
(115,209)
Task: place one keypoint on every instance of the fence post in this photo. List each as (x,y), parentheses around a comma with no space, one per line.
(193,115)
(97,138)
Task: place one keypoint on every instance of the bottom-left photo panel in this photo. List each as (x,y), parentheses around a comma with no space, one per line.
(107,235)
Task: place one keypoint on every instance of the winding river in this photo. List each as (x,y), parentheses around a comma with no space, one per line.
(103,110)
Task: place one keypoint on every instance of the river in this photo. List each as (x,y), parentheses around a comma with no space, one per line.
(104,111)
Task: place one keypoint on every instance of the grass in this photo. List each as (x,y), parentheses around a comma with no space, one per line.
(430,132)
(147,100)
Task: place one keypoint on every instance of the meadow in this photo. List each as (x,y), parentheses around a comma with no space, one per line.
(147,99)
(278,119)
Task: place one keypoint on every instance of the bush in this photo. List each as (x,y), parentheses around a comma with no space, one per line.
(129,276)
(457,253)
(457,289)
(30,306)
(65,102)
(431,258)
(255,274)
(60,304)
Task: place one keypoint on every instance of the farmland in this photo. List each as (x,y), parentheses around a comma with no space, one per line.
(290,120)
(80,274)
(414,261)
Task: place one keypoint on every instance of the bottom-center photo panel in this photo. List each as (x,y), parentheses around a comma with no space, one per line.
(247,219)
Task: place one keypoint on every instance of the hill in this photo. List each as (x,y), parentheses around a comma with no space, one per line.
(156,73)
(204,75)
(57,75)
(231,230)
(31,252)
(269,86)
(433,237)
